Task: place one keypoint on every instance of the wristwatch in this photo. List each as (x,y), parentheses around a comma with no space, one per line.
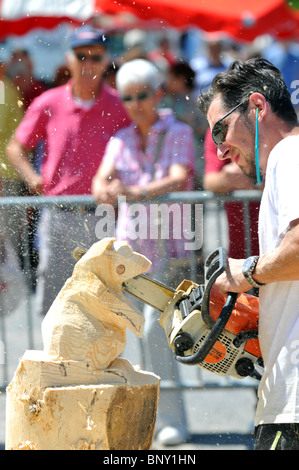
(248,270)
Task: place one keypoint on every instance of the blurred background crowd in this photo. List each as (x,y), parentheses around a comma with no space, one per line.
(188,61)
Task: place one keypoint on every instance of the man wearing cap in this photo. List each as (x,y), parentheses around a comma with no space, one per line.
(74,122)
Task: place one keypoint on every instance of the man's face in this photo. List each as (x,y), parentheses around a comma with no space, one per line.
(239,140)
(88,63)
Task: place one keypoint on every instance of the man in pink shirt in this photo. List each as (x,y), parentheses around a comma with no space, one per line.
(74,122)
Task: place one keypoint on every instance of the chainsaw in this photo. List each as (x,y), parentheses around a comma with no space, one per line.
(203,327)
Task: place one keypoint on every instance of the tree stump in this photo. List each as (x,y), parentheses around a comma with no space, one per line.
(78,394)
(47,409)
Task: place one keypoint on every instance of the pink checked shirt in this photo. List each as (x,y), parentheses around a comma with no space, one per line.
(74,138)
(136,167)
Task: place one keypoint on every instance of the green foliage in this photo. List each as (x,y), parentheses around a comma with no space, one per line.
(293,3)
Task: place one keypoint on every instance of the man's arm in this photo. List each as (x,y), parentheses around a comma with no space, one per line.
(280,264)
(18,157)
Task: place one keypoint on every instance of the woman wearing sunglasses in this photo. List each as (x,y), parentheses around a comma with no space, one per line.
(253,122)
(151,157)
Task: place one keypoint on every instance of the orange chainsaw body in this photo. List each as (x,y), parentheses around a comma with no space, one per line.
(244,317)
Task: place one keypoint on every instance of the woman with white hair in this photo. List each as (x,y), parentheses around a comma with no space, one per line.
(153,156)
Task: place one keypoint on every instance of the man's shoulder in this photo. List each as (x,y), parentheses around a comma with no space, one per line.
(286,146)
(52,95)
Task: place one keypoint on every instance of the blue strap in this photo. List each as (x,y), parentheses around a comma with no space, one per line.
(257,162)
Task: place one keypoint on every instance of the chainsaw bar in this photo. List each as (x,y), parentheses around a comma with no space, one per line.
(149,291)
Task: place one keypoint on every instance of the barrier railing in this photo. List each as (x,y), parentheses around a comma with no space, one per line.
(213,210)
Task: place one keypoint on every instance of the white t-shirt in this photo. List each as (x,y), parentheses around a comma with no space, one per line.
(279,302)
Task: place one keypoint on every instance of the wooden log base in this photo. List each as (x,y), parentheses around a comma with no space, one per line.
(57,405)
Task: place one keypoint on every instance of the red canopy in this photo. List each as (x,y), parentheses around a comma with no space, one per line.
(241,19)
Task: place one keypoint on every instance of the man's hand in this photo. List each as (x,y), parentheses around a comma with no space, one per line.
(36,185)
(233,280)
(18,156)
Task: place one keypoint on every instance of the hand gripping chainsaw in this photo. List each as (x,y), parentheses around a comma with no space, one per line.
(202,327)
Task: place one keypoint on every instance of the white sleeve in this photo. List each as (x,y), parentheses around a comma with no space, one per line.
(287,181)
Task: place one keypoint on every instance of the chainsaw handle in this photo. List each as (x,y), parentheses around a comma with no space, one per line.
(214,266)
(214,334)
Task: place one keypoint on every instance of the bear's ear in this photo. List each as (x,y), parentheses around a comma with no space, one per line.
(109,243)
(123,248)
(99,247)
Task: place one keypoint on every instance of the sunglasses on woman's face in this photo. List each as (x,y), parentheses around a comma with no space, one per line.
(143,95)
(219,129)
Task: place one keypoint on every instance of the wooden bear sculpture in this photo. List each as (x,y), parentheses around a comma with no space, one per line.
(87,321)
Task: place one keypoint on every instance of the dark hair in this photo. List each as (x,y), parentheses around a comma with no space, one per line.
(242,79)
(179,69)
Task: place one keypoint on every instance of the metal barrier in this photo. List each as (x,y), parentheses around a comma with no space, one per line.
(213,210)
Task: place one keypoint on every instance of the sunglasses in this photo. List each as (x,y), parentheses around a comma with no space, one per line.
(93,57)
(143,95)
(219,129)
